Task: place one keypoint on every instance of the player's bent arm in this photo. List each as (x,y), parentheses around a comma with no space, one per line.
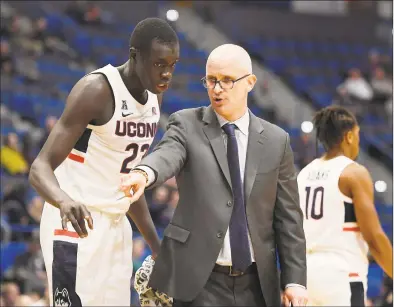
(169,156)
(84,104)
(288,223)
(357,180)
(140,215)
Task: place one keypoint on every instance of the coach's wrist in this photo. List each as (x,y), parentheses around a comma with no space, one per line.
(149,172)
(143,173)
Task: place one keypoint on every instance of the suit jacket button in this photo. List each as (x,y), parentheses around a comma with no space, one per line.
(219,234)
(229,203)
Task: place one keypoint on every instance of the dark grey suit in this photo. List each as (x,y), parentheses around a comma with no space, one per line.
(193,150)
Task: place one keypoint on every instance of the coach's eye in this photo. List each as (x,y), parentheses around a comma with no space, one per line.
(227,81)
(159,65)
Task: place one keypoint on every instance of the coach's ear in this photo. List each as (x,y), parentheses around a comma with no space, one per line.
(133,53)
(251,81)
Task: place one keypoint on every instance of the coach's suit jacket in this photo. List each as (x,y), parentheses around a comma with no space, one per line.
(193,150)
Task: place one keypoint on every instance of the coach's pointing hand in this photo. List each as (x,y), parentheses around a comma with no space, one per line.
(133,184)
(76,213)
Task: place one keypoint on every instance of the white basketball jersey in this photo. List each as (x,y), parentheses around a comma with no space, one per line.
(91,173)
(329,220)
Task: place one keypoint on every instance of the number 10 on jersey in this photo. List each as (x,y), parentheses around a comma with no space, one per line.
(312,202)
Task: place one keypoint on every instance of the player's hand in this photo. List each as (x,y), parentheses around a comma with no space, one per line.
(133,185)
(76,213)
(298,296)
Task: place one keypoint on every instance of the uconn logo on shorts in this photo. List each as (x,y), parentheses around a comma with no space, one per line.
(61,298)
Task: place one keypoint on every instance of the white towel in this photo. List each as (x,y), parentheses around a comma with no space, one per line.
(148,296)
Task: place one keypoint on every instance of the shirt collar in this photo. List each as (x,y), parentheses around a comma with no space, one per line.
(242,123)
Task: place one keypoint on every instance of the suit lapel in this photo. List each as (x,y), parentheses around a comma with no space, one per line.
(254,154)
(213,132)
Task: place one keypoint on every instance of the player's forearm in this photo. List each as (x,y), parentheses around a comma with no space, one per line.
(43,179)
(140,214)
(382,251)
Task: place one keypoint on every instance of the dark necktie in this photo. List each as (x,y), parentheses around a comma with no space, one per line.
(240,252)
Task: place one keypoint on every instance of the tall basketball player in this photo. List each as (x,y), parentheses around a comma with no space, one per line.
(340,220)
(108,124)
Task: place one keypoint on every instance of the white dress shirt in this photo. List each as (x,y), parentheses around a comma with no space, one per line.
(241,134)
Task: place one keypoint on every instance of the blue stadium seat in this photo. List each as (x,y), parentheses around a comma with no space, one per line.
(54,24)
(388,229)
(324,47)
(196,69)
(202,55)
(116,43)
(373,140)
(9,252)
(56,68)
(316,80)
(7,129)
(272,43)
(300,82)
(342,48)
(47,107)
(82,44)
(294,132)
(181,68)
(387,137)
(334,65)
(255,45)
(375,277)
(385,210)
(109,59)
(371,120)
(65,87)
(276,64)
(256,110)
(351,64)
(170,104)
(69,23)
(322,99)
(359,49)
(295,61)
(195,87)
(185,52)
(307,46)
(314,63)
(22,104)
(334,81)
(6,98)
(98,41)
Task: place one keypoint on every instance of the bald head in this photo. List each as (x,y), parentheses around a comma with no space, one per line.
(229,79)
(231,55)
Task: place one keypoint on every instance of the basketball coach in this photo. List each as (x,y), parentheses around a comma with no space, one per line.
(238,207)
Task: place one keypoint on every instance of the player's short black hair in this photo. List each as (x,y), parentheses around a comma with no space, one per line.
(331,124)
(149,29)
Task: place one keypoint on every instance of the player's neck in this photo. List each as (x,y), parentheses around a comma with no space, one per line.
(133,82)
(333,154)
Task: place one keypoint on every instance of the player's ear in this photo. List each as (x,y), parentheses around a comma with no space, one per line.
(133,53)
(349,137)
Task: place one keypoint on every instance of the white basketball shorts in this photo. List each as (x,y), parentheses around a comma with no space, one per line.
(91,271)
(327,280)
